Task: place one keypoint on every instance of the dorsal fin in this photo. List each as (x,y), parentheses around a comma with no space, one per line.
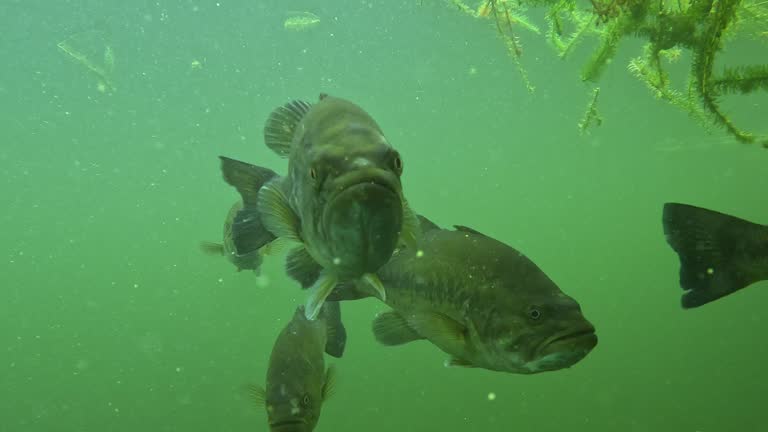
(281,126)
(469,230)
(426,224)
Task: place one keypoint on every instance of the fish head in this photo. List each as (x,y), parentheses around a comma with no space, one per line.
(542,333)
(348,189)
(293,409)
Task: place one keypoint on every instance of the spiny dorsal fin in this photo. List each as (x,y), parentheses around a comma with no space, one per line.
(468,229)
(281,126)
(426,224)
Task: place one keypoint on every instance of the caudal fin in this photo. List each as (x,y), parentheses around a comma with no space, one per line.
(248,232)
(713,249)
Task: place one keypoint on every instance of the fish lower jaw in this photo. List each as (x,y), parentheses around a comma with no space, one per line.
(283,425)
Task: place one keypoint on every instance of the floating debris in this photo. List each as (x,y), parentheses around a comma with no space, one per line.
(591,116)
(76,46)
(300,21)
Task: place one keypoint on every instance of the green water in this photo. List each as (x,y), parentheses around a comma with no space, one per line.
(111,319)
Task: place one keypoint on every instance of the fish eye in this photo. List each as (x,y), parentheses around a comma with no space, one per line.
(305,400)
(534,313)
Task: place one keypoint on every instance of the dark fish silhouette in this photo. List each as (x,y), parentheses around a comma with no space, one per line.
(719,254)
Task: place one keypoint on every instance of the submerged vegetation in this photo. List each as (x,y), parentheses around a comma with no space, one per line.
(669,27)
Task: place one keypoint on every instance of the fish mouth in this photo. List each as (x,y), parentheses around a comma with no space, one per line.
(578,340)
(286,425)
(362,221)
(563,350)
(373,178)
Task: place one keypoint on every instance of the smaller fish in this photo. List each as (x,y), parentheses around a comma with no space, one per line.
(719,254)
(297,381)
(300,21)
(249,256)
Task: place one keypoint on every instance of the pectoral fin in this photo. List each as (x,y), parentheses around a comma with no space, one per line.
(302,268)
(330,382)
(318,293)
(457,362)
(411,231)
(276,213)
(391,328)
(374,281)
(257,394)
(442,330)
(211,248)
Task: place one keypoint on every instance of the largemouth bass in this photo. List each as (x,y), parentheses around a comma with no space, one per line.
(297,381)
(342,201)
(480,301)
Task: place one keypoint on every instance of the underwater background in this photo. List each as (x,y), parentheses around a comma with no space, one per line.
(111,318)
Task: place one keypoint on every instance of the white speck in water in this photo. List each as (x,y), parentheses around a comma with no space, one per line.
(419,253)
(178,369)
(336,261)
(262,281)
(710,271)
(135,285)
(221,280)
(491,396)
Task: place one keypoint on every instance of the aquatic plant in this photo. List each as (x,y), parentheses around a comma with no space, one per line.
(669,27)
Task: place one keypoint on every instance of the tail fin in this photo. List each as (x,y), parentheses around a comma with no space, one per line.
(715,251)
(337,334)
(248,232)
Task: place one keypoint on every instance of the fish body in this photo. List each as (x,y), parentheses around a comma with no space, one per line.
(250,260)
(480,301)
(341,202)
(719,254)
(297,381)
